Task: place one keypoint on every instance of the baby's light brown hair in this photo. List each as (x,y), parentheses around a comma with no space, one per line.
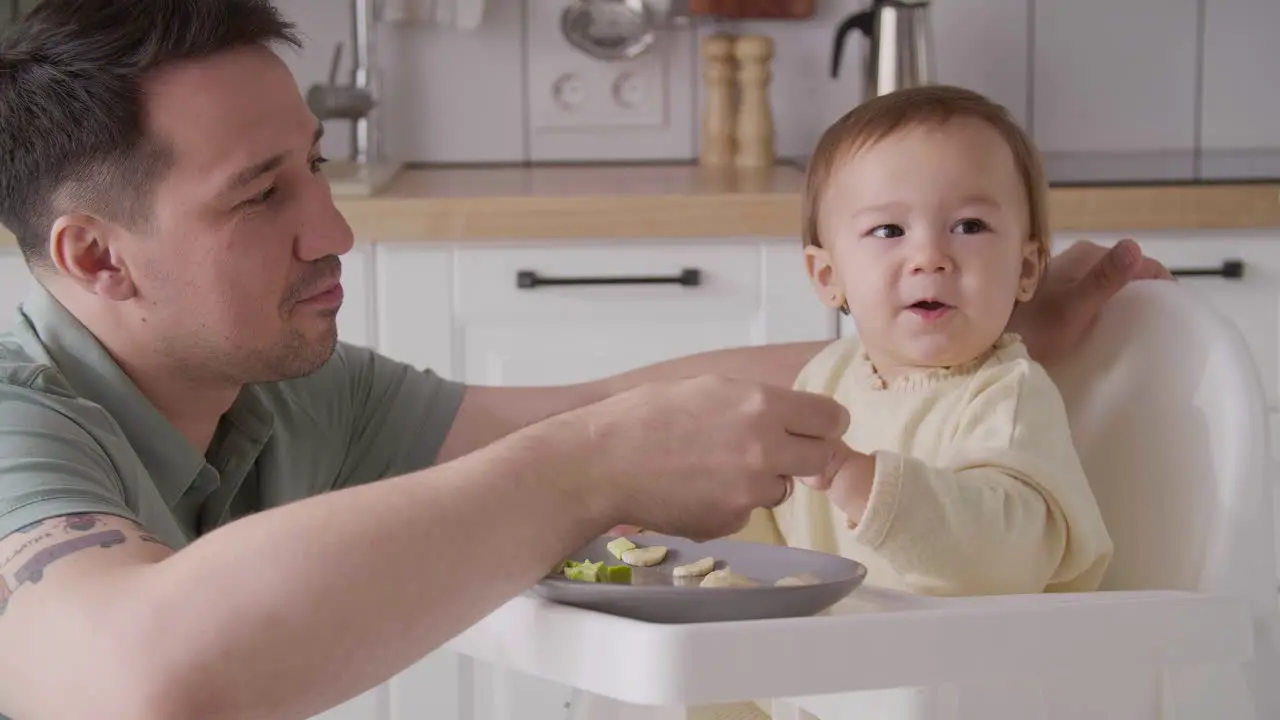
(882,116)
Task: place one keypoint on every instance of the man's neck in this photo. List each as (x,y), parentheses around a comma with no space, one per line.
(192,407)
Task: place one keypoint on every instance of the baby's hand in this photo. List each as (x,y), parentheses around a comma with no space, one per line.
(847,481)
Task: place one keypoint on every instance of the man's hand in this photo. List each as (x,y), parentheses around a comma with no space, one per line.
(1078,282)
(695,457)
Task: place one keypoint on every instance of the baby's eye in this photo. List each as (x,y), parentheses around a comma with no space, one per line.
(888,231)
(969,226)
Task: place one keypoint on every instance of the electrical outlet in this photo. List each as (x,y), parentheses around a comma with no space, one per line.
(585,108)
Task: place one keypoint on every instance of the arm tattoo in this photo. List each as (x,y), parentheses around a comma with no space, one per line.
(74,536)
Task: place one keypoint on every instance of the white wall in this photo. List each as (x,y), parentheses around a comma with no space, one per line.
(1112,89)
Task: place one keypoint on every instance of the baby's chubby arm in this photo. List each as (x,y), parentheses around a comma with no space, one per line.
(1007,510)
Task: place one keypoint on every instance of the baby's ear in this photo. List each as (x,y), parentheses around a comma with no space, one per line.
(1034,260)
(825,278)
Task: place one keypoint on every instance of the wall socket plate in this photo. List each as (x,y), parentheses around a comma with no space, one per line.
(582,108)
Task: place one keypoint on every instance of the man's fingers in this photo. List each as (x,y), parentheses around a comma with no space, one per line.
(1111,273)
(1151,269)
(796,456)
(812,415)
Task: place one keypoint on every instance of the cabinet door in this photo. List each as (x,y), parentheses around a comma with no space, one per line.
(612,317)
(371,705)
(356,323)
(15,282)
(1114,96)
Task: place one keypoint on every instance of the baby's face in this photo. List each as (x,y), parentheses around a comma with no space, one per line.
(926,236)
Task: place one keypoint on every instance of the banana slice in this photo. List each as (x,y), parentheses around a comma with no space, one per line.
(645,556)
(725,578)
(796,580)
(697,568)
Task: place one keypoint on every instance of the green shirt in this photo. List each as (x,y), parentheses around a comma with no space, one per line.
(77,436)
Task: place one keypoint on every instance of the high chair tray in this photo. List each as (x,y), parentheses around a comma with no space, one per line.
(873,639)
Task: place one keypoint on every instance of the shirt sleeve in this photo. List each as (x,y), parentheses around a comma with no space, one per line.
(1007,510)
(50,465)
(399,415)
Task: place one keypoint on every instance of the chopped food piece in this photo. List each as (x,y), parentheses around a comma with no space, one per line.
(645,557)
(617,574)
(725,578)
(619,546)
(586,572)
(794,580)
(697,568)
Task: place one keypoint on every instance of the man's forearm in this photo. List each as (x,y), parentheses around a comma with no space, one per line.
(313,602)
(770,364)
(489,413)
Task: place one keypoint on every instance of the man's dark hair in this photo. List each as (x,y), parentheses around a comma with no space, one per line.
(72,136)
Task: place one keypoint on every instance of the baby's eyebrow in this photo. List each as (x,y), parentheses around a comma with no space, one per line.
(987,200)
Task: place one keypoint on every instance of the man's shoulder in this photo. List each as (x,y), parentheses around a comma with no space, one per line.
(24,370)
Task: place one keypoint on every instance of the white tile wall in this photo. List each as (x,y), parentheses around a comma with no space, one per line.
(1240,110)
(1112,89)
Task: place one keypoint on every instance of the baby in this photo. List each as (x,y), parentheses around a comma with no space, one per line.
(925,219)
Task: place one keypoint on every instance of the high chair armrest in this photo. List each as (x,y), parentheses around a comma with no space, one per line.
(873,640)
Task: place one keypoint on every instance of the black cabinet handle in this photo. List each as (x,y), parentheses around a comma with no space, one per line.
(688,277)
(1231,269)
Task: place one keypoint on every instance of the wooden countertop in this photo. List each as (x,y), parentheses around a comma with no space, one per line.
(673,201)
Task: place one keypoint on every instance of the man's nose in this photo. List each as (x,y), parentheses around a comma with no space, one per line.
(324,230)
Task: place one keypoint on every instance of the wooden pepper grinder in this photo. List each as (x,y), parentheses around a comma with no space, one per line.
(717,144)
(755,117)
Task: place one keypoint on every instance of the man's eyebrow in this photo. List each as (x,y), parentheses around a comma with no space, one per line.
(258,169)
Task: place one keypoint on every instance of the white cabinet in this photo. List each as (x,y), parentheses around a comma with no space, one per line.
(356,321)
(15,281)
(587,310)
(1116,78)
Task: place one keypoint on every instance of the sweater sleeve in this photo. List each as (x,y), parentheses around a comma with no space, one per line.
(1007,509)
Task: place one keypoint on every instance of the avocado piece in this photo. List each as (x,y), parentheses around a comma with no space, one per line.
(617,546)
(585,572)
(617,574)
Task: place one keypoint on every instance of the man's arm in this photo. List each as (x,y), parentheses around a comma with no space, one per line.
(289,611)
(488,413)
(284,613)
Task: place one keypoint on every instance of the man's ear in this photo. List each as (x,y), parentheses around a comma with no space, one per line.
(1034,260)
(825,277)
(87,251)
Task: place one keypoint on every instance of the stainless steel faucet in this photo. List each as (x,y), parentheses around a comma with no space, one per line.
(357,101)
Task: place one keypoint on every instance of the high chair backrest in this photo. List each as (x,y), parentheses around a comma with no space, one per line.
(1169,417)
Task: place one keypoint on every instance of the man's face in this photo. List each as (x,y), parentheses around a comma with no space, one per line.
(237,271)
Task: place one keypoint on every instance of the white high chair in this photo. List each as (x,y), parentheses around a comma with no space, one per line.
(1169,416)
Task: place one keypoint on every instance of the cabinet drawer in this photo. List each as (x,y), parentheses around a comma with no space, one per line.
(623,281)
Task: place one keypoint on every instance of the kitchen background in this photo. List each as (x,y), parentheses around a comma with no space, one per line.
(1113,90)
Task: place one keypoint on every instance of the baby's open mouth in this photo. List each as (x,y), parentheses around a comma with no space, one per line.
(929,305)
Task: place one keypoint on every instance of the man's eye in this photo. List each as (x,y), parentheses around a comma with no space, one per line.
(263,197)
(317,161)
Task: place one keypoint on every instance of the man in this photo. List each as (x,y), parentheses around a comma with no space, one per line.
(177,369)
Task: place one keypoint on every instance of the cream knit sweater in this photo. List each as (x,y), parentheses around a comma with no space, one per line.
(978,488)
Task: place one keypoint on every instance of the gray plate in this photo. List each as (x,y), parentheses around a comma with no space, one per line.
(653,595)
